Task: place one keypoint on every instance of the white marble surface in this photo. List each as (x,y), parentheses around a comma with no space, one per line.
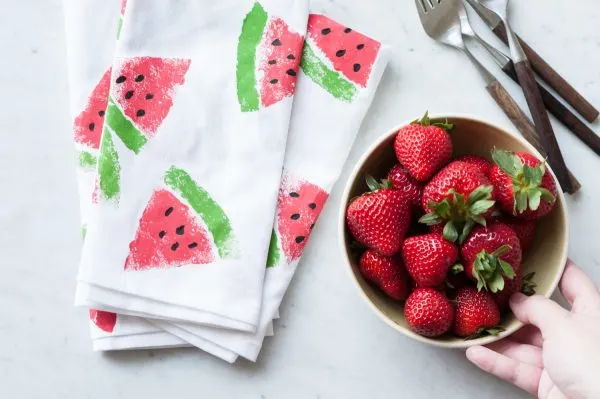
(328,343)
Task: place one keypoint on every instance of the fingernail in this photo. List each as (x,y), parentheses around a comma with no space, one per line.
(518,298)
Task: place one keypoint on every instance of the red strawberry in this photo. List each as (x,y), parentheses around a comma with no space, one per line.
(428,312)
(459,196)
(424,148)
(520,283)
(524,188)
(476,313)
(481,163)
(525,230)
(379,219)
(386,272)
(428,258)
(402,180)
(492,256)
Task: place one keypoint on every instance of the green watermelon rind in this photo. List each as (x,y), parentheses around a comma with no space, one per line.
(119,26)
(124,128)
(212,214)
(87,160)
(330,80)
(252,32)
(109,169)
(274,254)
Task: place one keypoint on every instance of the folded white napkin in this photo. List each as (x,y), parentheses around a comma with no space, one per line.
(340,72)
(190,159)
(92,27)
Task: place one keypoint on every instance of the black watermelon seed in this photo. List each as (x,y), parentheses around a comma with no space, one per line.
(360,46)
(347,30)
(169,211)
(149,96)
(356,67)
(326,31)
(129,94)
(91,126)
(294,194)
(192,245)
(139,78)
(312,226)
(276,42)
(140,112)
(272,62)
(162,233)
(101,113)
(312,205)
(175,246)
(299,239)
(121,79)
(291,72)
(291,57)
(179,230)
(340,53)
(273,81)
(295,216)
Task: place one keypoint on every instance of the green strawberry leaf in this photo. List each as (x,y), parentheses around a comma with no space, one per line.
(507,269)
(372,183)
(521,201)
(547,195)
(430,219)
(479,220)
(505,161)
(482,192)
(445,125)
(530,174)
(481,207)
(496,283)
(457,268)
(466,230)
(450,233)
(501,250)
(535,197)
(528,287)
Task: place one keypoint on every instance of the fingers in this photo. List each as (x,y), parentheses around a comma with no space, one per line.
(530,335)
(537,310)
(523,375)
(578,289)
(523,353)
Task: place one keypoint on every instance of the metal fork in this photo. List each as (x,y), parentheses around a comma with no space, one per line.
(533,96)
(441,22)
(553,104)
(517,116)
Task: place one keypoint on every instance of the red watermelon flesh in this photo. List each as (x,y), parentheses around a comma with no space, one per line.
(104,320)
(351,53)
(279,62)
(123,5)
(88,124)
(143,88)
(299,206)
(168,236)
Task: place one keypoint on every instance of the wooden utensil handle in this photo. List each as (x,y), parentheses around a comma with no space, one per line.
(553,79)
(542,124)
(562,113)
(521,121)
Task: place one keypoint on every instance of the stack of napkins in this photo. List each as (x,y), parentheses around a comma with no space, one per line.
(208,136)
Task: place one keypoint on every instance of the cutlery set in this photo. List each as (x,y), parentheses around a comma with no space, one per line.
(447,21)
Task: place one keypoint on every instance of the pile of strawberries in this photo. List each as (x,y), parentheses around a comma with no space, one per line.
(458,264)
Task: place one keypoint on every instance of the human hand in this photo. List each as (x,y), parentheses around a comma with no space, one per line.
(557,353)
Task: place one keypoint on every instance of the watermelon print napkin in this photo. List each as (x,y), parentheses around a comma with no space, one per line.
(92,27)
(339,74)
(177,232)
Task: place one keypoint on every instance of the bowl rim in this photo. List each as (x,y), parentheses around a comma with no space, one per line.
(348,264)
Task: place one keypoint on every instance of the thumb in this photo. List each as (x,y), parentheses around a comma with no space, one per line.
(537,310)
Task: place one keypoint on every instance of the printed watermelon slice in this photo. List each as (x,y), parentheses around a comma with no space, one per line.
(87,126)
(180,226)
(105,321)
(123,5)
(141,97)
(338,58)
(298,208)
(268,57)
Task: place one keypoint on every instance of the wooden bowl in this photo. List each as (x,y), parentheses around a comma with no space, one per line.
(546,258)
